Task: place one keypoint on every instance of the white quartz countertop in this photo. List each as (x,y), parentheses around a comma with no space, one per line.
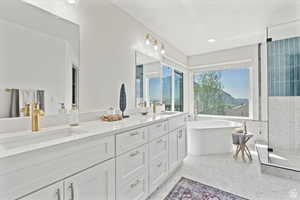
(21,142)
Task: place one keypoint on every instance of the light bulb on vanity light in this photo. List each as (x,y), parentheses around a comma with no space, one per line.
(155,45)
(163,50)
(72,2)
(147,40)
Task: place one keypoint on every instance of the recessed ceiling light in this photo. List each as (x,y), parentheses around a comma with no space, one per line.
(211,40)
(72,1)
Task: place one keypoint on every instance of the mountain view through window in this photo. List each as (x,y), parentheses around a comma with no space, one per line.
(222,92)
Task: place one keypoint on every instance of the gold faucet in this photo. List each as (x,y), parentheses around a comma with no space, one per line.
(26,110)
(35,118)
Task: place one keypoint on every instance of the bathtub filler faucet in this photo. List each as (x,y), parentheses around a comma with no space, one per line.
(245,127)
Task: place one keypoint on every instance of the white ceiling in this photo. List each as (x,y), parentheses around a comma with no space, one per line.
(189,24)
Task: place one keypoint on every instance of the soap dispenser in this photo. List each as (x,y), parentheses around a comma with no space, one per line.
(74,116)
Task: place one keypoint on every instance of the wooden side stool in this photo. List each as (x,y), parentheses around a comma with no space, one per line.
(240,140)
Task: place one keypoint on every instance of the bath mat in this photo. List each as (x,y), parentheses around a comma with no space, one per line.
(187,189)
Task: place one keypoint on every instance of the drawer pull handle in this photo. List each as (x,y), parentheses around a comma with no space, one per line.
(134,134)
(134,154)
(71,187)
(58,194)
(135,183)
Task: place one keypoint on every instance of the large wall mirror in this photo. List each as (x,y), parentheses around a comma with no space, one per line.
(39,60)
(157,80)
(148,79)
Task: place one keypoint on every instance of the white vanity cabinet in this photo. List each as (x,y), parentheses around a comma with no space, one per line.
(158,162)
(173,150)
(131,139)
(177,147)
(182,143)
(53,192)
(128,165)
(131,169)
(96,183)
(158,129)
(141,170)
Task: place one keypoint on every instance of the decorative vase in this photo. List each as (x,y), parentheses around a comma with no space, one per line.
(123,103)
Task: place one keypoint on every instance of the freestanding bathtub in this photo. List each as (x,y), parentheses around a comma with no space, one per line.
(210,136)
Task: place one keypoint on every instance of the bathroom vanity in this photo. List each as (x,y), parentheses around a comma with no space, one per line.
(125,160)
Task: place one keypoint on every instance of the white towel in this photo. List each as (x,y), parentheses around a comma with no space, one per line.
(27,96)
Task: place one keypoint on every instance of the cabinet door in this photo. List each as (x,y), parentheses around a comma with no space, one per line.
(53,192)
(173,150)
(182,143)
(96,183)
(158,171)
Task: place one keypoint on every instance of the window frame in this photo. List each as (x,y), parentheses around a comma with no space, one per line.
(245,65)
(181,73)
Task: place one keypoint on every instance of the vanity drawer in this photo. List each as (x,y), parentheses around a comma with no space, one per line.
(130,140)
(158,130)
(135,188)
(129,163)
(62,161)
(158,171)
(158,146)
(176,122)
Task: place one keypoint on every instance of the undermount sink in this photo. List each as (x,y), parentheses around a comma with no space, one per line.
(38,137)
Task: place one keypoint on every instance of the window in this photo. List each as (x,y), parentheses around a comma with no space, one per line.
(178,91)
(139,78)
(167,87)
(154,90)
(284,67)
(222,92)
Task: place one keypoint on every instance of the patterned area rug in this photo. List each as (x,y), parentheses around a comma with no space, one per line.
(187,189)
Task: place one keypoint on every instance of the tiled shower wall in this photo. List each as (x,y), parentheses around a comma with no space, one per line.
(284,94)
(284,123)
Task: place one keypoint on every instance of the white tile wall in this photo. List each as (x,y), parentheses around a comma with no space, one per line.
(284,122)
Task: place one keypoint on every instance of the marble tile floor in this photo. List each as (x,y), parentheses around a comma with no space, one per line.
(234,176)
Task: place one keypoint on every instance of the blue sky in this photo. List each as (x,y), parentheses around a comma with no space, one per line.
(154,89)
(236,82)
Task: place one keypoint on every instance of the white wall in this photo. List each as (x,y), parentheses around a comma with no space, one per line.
(109,38)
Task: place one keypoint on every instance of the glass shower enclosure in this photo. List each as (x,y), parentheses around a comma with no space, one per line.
(283,57)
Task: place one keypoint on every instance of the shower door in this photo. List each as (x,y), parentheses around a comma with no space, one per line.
(283,46)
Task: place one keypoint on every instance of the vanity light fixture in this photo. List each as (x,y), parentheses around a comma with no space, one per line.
(211,40)
(147,40)
(72,2)
(162,51)
(157,45)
